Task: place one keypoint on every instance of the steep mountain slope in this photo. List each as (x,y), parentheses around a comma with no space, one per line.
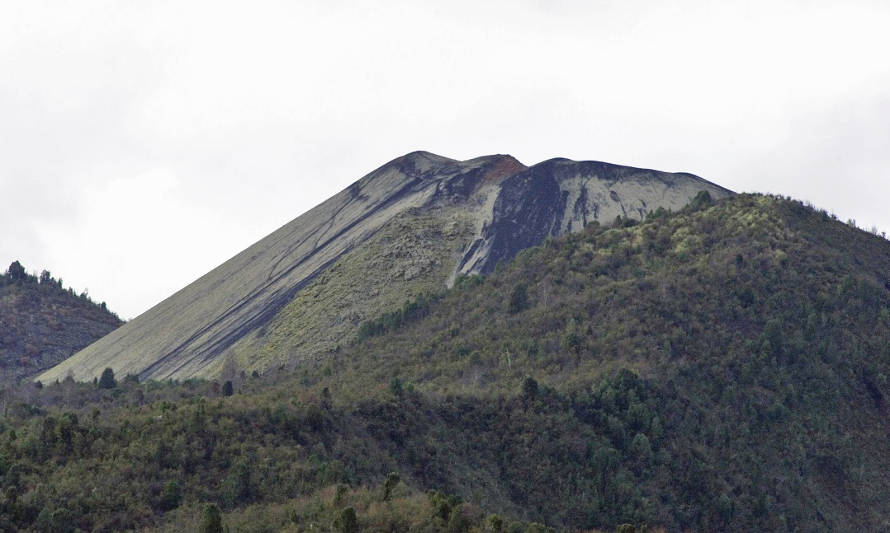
(723,368)
(42,324)
(410,226)
(757,332)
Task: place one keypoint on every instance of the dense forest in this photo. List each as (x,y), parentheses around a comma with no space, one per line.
(720,368)
(43,323)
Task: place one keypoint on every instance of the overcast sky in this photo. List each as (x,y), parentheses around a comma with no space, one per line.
(143,143)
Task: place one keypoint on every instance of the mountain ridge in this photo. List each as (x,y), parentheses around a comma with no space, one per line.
(195,330)
(41,323)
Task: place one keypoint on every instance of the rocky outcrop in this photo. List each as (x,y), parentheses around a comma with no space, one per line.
(560,196)
(506,206)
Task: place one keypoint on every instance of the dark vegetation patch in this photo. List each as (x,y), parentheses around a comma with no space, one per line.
(42,323)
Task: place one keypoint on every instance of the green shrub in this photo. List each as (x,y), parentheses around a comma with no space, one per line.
(345,521)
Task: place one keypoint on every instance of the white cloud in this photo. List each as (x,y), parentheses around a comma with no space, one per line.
(143,143)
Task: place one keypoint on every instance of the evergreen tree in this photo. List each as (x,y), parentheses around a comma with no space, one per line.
(529,390)
(391,481)
(236,487)
(345,521)
(107,381)
(212,521)
(16,272)
(396,388)
(518,299)
(171,496)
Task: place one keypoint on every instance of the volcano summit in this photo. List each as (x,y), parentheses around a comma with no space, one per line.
(409,227)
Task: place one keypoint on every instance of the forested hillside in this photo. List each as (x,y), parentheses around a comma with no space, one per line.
(720,368)
(41,323)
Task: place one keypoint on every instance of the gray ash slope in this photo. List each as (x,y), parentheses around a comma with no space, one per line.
(509,206)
